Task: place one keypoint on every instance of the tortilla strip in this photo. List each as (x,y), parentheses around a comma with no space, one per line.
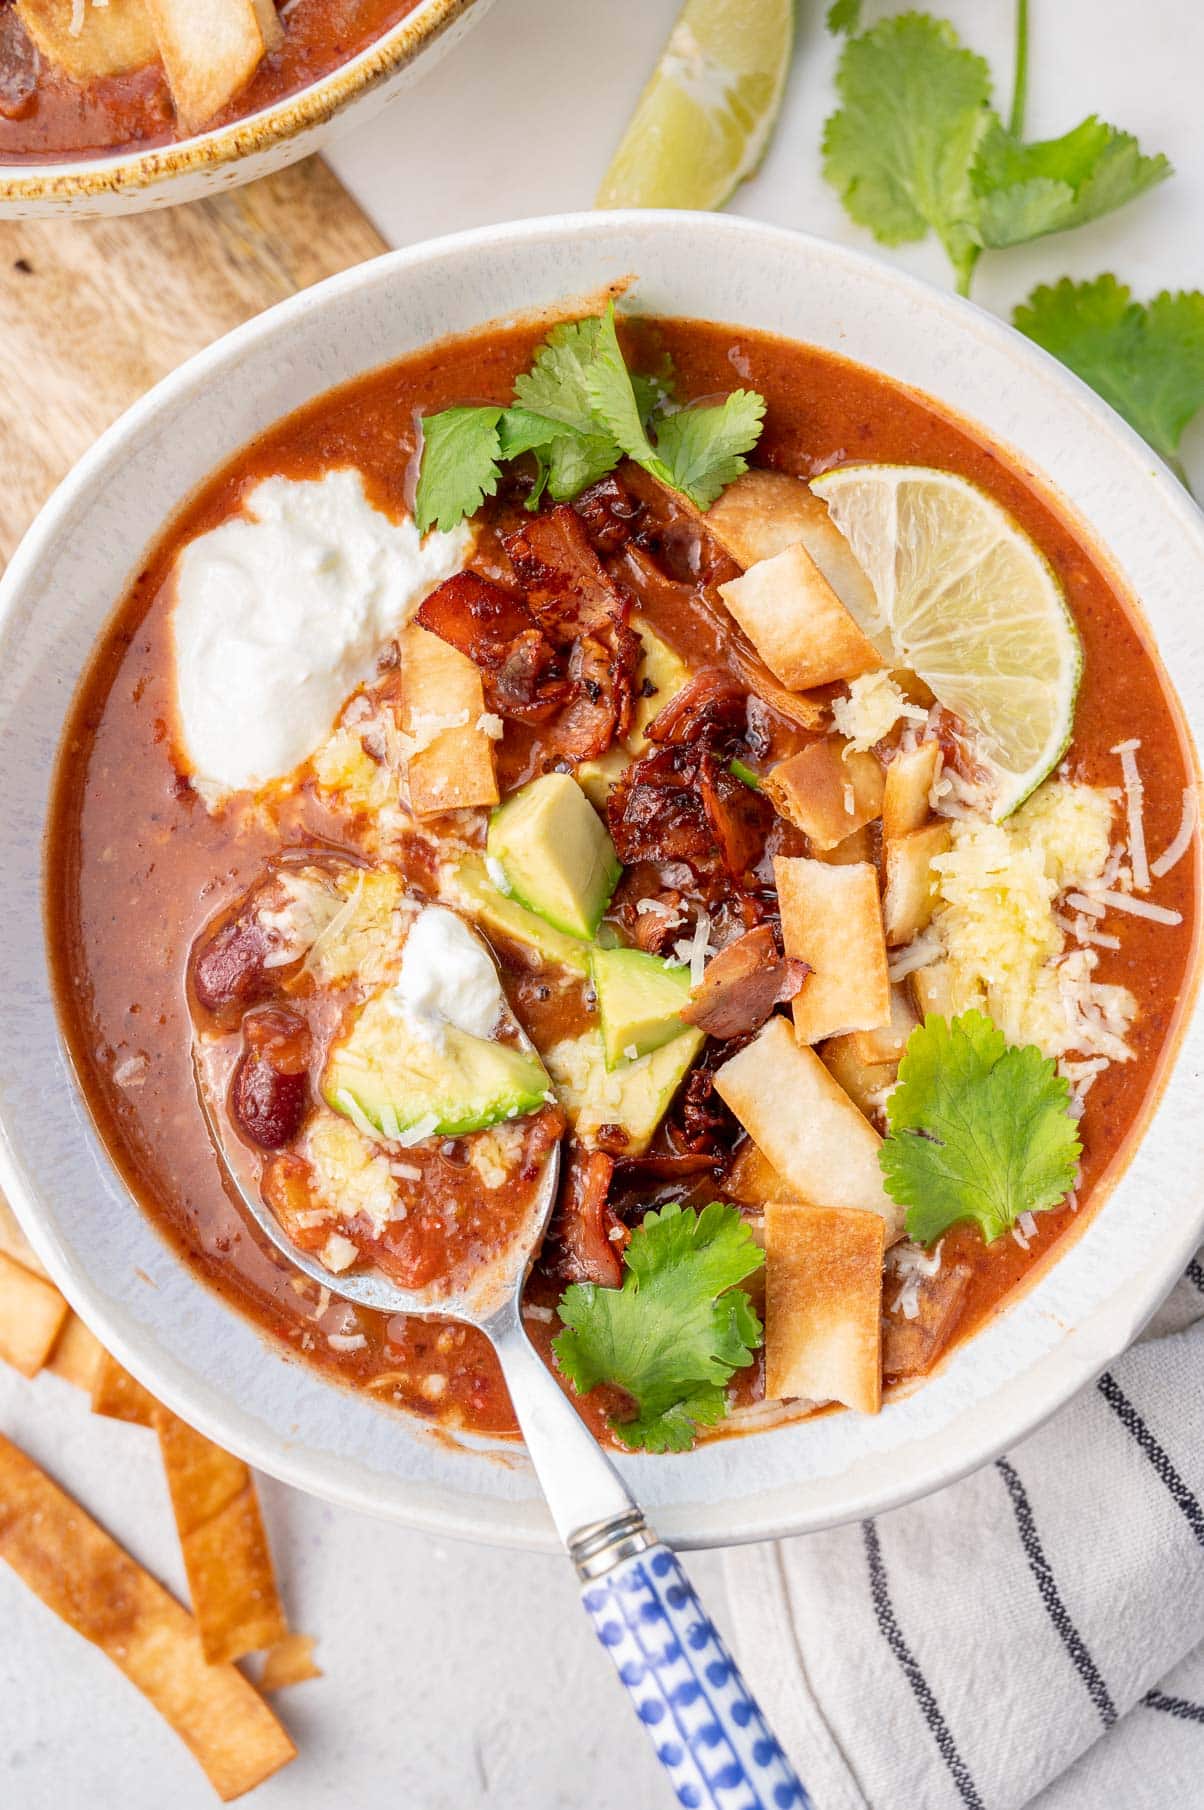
(226,1556)
(77,1354)
(15,1244)
(797,623)
(909,780)
(823,1305)
(268,21)
(764,512)
(110,40)
(864,1082)
(832,918)
(99,1590)
(31,1317)
(933,989)
(752,1179)
(117,1395)
(210,49)
(888,1041)
(910,882)
(455,770)
(806,1125)
(290,1661)
(825,793)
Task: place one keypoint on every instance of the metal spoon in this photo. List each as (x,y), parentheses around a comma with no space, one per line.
(710,1734)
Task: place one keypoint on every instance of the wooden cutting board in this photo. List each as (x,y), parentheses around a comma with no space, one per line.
(92,312)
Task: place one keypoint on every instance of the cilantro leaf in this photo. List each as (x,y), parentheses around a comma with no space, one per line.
(1026,190)
(915,104)
(843,15)
(459,469)
(1145,358)
(612,396)
(704,448)
(676,1330)
(555,386)
(979,1129)
(569,461)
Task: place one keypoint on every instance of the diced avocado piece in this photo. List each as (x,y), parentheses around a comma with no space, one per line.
(598,777)
(494,911)
(556,854)
(398,1079)
(659,667)
(636,1095)
(640,998)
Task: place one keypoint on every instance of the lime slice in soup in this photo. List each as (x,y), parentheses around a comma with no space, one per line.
(966,601)
(704,120)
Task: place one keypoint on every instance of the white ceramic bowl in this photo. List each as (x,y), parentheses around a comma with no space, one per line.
(184,1342)
(263,142)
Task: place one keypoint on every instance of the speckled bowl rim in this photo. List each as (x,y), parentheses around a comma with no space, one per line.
(1078,1315)
(90,179)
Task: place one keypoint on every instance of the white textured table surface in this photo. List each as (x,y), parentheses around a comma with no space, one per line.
(458,1676)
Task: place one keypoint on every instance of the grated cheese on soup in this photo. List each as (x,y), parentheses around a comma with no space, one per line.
(871,710)
(349,1173)
(361,941)
(995,915)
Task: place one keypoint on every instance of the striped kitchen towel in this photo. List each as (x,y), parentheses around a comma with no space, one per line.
(1033,1635)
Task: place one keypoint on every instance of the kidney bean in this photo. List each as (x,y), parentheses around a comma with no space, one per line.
(270,1090)
(228,974)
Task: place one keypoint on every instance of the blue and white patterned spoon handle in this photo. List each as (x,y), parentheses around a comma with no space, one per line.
(708,1729)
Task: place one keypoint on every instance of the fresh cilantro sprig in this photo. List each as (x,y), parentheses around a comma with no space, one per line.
(979,1129)
(1145,358)
(676,1330)
(577,412)
(916,146)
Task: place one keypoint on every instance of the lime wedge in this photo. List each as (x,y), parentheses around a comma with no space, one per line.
(966,601)
(704,121)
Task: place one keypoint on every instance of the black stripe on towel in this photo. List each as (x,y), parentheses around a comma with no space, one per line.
(1132,1422)
(1174,1706)
(1195,1273)
(893,1635)
(1051,1596)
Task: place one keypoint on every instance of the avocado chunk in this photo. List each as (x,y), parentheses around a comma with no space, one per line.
(556,854)
(660,674)
(636,1095)
(397,1078)
(640,998)
(502,916)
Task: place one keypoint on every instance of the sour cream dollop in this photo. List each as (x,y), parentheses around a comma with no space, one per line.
(446,977)
(280,615)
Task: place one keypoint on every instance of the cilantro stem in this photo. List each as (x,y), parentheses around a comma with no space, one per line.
(1020,75)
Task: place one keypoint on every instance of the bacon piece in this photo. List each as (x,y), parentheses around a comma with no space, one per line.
(609,514)
(742,984)
(739,818)
(656,812)
(567,588)
(602,673)
(711,711)
(582,1248)
(523,674)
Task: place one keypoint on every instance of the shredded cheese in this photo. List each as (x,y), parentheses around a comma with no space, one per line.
(1134,795)
(1124,901)
(1178,847)
(871,710)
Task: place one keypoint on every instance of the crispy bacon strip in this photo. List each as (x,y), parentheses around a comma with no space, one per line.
(567,588)
(742,984)
(524,675)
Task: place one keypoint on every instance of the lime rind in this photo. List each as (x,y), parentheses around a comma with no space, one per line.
(969,603)
(705,119)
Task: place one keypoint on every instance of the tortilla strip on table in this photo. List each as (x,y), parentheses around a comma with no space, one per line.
(226,1556)
(210,49)
(15,1244)
(805,1124)
(108,40)
(823,1304)
(77,1354)
(116,1394)
(456,770)
(89,1581)
(290,1661)
(31,1317)
(832,918)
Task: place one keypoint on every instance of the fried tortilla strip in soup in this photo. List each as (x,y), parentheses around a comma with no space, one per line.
(210,49)
(86,41)
(823,1304)
(99,1590)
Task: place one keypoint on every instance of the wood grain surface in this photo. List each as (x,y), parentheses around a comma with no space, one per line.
(92,312)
